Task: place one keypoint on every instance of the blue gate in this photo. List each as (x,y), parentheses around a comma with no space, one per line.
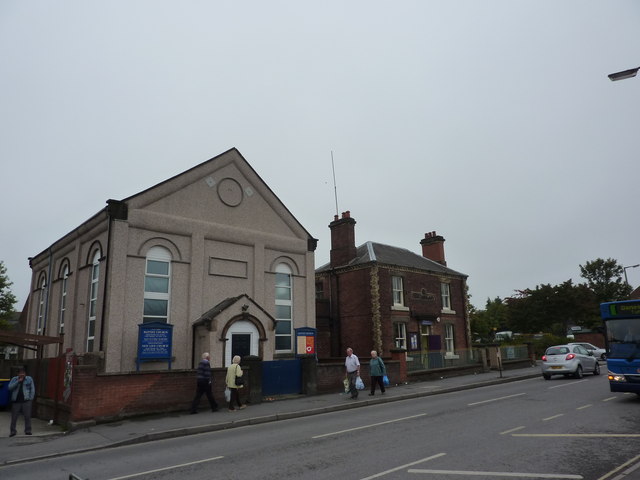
(281,377)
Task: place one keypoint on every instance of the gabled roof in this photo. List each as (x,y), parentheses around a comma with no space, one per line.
(371,252)
(212,313)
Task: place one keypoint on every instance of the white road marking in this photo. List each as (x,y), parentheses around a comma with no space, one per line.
(401,467)
(608,399)
(554,416)
(567,384)
(511,431)
(624,465)
(495,399)
(368,426)
(497,474)
(584,406)
(586,435)
(166,468)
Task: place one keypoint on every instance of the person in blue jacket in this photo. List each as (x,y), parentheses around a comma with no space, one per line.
(23,391)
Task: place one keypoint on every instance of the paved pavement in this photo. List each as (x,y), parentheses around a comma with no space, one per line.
(51,441)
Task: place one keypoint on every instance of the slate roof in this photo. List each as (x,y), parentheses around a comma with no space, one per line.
(385,254)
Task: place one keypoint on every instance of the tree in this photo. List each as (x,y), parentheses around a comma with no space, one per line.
(605,279)
(485,322)
(552,308)
(7,299)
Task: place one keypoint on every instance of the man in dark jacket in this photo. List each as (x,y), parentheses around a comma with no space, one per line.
(204,385)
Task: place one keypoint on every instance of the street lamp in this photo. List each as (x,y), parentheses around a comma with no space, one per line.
(632,72)
(625,271)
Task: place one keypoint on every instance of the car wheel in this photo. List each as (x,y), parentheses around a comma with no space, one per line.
(546,376)
(578,373)
(596,369)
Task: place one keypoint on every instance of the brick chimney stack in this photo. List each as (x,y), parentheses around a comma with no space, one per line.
(343,239)
(433,247)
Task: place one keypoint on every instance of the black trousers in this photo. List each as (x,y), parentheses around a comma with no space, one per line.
(235,397)
(378,380)
(203,388)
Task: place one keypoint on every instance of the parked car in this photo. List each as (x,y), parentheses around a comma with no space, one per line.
(568,360)
(598,352)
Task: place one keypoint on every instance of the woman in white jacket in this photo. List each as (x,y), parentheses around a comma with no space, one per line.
(233,372)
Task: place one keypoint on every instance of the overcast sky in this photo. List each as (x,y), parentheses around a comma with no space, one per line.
(491,122)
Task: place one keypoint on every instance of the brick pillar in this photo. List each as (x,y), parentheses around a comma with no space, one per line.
(253,381)
(309,374)
(400,354)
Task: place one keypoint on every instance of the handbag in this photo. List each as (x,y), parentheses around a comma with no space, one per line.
(239,380)
(227,394)
(346,385)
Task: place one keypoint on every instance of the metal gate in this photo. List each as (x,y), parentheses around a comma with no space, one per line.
(281,377)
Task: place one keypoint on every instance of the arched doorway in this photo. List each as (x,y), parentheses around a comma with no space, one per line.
(242,339)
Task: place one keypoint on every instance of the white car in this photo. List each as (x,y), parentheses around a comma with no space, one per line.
(568,360)
(598,352)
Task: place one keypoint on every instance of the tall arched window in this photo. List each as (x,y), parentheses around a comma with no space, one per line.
(63,297)
(41,305)
(284,308)
(93,300)
(157,285)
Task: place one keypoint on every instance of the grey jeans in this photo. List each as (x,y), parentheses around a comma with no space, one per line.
(23,408)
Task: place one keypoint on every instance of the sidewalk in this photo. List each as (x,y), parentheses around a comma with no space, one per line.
(50,440)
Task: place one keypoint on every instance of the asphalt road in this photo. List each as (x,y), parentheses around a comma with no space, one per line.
(557,429)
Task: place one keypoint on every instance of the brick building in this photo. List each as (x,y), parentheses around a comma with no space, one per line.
(380,297)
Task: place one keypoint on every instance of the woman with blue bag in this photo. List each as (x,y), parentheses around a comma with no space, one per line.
(377,371)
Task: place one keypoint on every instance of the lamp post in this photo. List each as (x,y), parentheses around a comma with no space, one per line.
(625,271)
(632,72)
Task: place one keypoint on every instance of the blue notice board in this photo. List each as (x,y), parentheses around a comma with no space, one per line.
(155,342)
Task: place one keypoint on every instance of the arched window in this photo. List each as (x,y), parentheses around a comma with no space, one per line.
(63,297)
(284,308)
(41,305)
(157,285)
(93,300)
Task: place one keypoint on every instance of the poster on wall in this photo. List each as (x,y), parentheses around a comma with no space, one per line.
(155,340)
(414,341)
(305,341)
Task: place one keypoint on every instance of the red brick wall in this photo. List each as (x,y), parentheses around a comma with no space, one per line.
(331,375)
(115,395)
(355,311)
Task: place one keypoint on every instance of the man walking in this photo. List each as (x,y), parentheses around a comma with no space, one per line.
(23,390)
(352,364)
(203,385)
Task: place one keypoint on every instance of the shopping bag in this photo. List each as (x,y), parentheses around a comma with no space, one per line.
(359,384)
(346,385)
(385,380)
(227,394)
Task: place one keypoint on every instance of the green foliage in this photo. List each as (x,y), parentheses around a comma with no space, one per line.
(485,322)
(540,345)
(7,299)
(552,309)
(605,279)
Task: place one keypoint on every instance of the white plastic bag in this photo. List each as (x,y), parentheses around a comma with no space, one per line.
(359,383)
(227,394)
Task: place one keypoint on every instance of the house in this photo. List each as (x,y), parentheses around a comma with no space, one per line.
(211,253)
(379,297)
